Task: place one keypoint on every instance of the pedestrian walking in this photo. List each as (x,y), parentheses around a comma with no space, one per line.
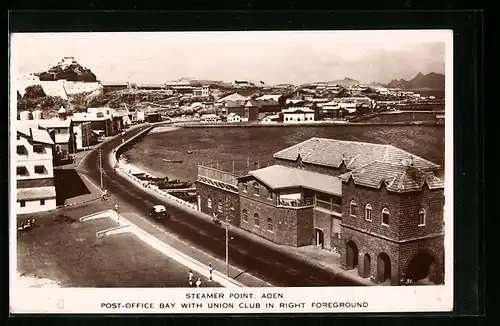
(211,270)
(117,208)
(198,283)
(190,276)
(32,221)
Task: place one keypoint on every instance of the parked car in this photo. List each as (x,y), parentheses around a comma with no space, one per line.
(159,211)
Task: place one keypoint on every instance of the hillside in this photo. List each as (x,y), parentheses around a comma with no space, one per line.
(346,82)
(420,81)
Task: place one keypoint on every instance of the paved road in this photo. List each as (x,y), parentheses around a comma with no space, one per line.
(274,267)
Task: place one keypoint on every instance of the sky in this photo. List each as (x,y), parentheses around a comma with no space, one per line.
(272,57)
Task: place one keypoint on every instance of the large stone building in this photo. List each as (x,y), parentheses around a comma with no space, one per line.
(380,208)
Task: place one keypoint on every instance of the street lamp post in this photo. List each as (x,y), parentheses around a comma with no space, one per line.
(227,236)
(100,167)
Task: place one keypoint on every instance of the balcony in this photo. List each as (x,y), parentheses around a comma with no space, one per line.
(329,206)
(218,175)
(295,203)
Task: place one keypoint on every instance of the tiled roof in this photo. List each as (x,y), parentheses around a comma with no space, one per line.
(36,193)
(332,152)
(397,177)
(281,177)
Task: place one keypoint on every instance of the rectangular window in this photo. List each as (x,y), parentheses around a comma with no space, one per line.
(21,150)
(245,187)
(38,149)
(23,203)
(269,194)
(42,202)
(22,171)
(39,169)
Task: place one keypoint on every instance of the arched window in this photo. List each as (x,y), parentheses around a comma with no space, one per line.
(385,217)
(245,216)
(219,206)
(352,210)
(368,212)
(256,189)
(209,202)
(270,226)
(421,217)
(256,220)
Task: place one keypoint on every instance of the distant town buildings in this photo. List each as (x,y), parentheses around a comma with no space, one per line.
(298,115)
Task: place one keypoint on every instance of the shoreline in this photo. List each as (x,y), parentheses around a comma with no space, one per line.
(139,167)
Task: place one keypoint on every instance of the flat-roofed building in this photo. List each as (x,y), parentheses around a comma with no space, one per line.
(35,188)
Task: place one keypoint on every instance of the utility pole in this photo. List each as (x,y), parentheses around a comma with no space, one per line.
(227,237)
(100,167)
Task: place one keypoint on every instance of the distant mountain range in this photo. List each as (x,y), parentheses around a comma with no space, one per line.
(420,81)
(346,82)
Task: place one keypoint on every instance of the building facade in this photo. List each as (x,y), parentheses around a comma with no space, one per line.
(392,223)
(298,115)
(380,208)
(84,137)
(34,170)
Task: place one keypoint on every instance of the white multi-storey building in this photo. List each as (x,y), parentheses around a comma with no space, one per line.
(298,115)
(34,170)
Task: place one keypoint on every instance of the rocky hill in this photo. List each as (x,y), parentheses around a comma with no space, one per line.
(346,82)
(71,71)
(420,81)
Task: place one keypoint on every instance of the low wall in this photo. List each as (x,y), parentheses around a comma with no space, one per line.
(313,124)
(116,163)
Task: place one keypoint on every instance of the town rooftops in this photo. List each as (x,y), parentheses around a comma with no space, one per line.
(54,123)
(78,117)
(232,114)
(232,97)
(281,177)
(36,193)
(298,110)
(30,130)
(396,177)
(235,104)
(274,97)
(261,103)
(334,153)
(210,116)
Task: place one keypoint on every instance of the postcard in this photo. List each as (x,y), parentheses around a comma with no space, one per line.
(231,172)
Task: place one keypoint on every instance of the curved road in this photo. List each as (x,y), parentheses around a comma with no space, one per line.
(261,261)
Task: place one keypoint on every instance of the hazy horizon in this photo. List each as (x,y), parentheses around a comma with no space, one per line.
(272,57)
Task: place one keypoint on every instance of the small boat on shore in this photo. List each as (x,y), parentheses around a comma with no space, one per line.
(172,161)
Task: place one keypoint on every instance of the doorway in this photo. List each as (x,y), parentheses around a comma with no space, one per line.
(319,238)
(351,255)
(383,267)
(367,265)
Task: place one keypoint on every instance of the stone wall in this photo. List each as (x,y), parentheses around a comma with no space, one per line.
(216,194)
